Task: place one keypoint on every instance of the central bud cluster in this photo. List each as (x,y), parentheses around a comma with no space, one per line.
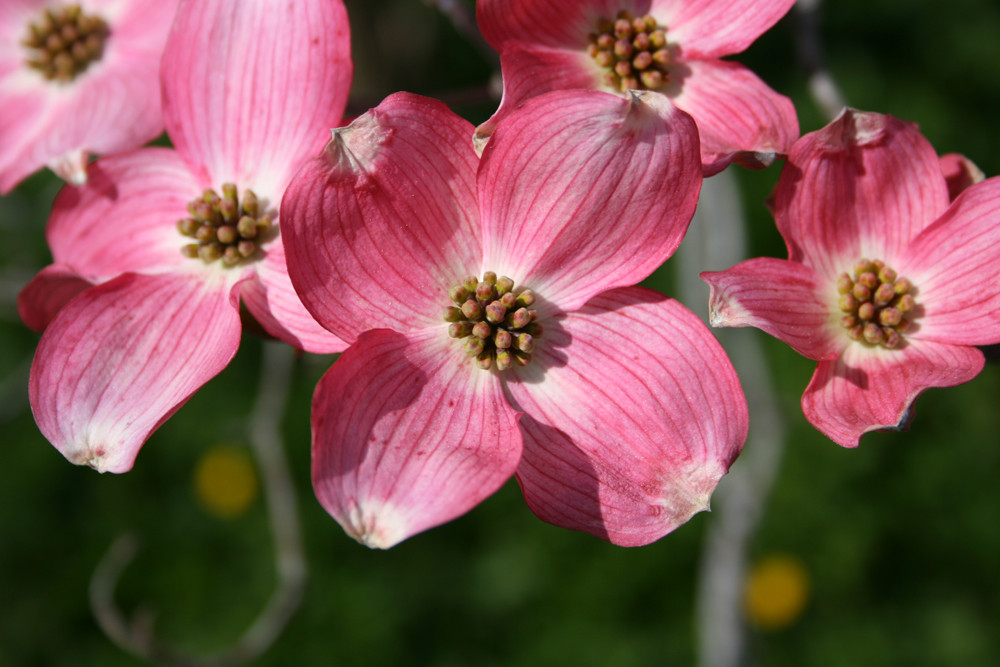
(878,305)
(64,42)
(633,50)
(497,321)
(224,227)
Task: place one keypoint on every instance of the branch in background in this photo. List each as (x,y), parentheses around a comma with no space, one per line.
(822,87)
(717,240)
(136,636)
(464,20)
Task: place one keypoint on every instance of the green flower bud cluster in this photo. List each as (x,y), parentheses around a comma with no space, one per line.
(633,51)
(224,227)
(64,42)
(878,306)
(498,322)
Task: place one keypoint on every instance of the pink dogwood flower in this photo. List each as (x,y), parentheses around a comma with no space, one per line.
(672,46)
(493,324)
(888,284)
(77,78)
(154,255)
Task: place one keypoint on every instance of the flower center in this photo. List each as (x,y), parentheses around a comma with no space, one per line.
(64,41)
(633,50)
(878,306)
(224,227)
(496,320)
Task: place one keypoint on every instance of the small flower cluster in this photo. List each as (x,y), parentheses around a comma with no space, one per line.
(623,417)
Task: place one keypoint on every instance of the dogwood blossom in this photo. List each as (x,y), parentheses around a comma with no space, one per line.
(672,46)
(153,256)
(493,322)
(77,78)
(889,284)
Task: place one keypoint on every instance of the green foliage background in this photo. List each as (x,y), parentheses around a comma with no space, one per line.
(899,536)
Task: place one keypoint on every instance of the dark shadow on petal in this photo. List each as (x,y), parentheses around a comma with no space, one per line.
(558,481)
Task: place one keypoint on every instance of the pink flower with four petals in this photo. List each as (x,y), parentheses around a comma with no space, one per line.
(493,324)
(139,309)
(673,46)
(77,78)
(888,284)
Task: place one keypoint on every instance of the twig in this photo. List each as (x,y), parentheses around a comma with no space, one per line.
(716,240)
(822,87)
(136,636)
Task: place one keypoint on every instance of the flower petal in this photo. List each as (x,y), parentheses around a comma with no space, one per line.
(125,218)
(632,415)
(552,23)
(740,118)
(408,434)
(252,86)
(581,191)
(715,28)
(863,186)
(122,357)
(960,172)
(529,71)
(384,222)
(868,389)
(275,305)
(953,265)
(780,297)
(51,289)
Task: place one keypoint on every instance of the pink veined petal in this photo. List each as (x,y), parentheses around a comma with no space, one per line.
(51,289)
(407,435)
(125,218)
(715,28)
(868,389)
(863,186)
(122,357)
(959,172)
(954,266)
(780,297)
(384,222)
(740,118)
(251,87)
(632,415)
(529,71)
(22,114)
(271,300)
(581,191)
(553,23)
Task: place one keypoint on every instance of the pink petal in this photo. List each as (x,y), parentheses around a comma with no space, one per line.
(632,415)
(863,186)
(868,389)
(22,114)
(384,222)
(407,435)
(953,264)
(783,298)
(581,191)
(275,305)
(740,118)
(529,71)
(714,28)
(46,294)
(551,23)
(125,218)
(960,172)
(252,86)
(122,357)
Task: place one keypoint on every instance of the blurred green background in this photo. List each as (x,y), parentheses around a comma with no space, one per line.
(898,540)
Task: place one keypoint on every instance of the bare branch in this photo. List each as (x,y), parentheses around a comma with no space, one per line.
(136,636)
